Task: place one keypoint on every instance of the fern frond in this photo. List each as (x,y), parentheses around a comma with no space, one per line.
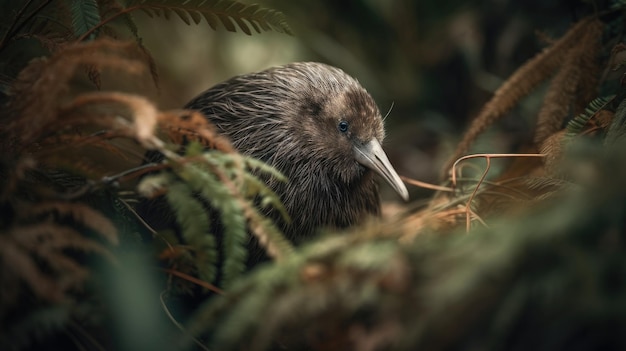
(215,12)
(268,235)
(221,180)
(85,15)
(185,126)
(42,85)
(235,234)
(616,122)
(235,239)
(51,35)
(591,65)
(22,18)
(264,168)
(105,108)
(562,95)
(578,123)
(21,268)
(80,213)
(520,84)
(49,243)
(113,9)
(149,59)
(267,198)
(195,227)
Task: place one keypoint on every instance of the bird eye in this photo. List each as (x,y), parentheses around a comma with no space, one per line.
(343,126)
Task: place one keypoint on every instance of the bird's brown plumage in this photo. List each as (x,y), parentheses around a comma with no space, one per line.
(293,117)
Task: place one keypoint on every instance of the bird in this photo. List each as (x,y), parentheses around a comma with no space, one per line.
(319,127)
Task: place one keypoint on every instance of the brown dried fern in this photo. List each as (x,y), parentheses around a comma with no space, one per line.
(79,213)
(576,75)
(520,84)
(184,126)
(42,87)
(36,249)
(590,64)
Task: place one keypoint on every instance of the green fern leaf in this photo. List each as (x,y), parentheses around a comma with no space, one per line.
(129,22)
(231,14)
(85,16)
(578,123)
(228,24)
(112,9)
(195,16)
(267,197)
(211,20)
(148,12)
(235,238)
(183,16)
(235,235)
(195,228)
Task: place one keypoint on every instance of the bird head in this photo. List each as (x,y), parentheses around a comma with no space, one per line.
(345,128)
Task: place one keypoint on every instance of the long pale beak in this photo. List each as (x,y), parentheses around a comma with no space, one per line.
(372,156)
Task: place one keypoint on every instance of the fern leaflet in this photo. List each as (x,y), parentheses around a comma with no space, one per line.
(85,15)
(195,227)
(578,123)
(226,12)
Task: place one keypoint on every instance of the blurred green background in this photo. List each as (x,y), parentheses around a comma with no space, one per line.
(430,63)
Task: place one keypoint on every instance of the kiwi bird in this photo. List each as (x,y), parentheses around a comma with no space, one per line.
(320,128)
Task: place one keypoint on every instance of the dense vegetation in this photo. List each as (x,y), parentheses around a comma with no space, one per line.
(516,250)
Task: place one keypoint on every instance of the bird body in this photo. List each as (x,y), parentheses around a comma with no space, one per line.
(320,128)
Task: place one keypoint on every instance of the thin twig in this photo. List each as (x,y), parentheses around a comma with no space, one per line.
(426,185)
(467,157)
(18,16)
(194,280)
(177,324)
(488,157)
(134,172)
(15,27)
(471,198)
(146,225)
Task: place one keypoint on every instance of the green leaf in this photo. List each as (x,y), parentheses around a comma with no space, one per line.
(231,14)
(85,16)
(577,124)
(195,227)
(235,234)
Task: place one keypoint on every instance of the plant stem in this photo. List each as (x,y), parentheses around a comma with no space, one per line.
(15,27)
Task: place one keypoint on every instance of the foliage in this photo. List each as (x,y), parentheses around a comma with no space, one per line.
(533,271)
(528,258)
(67,206)
(218,11)
(52,24)
(545,280)
(566,56)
